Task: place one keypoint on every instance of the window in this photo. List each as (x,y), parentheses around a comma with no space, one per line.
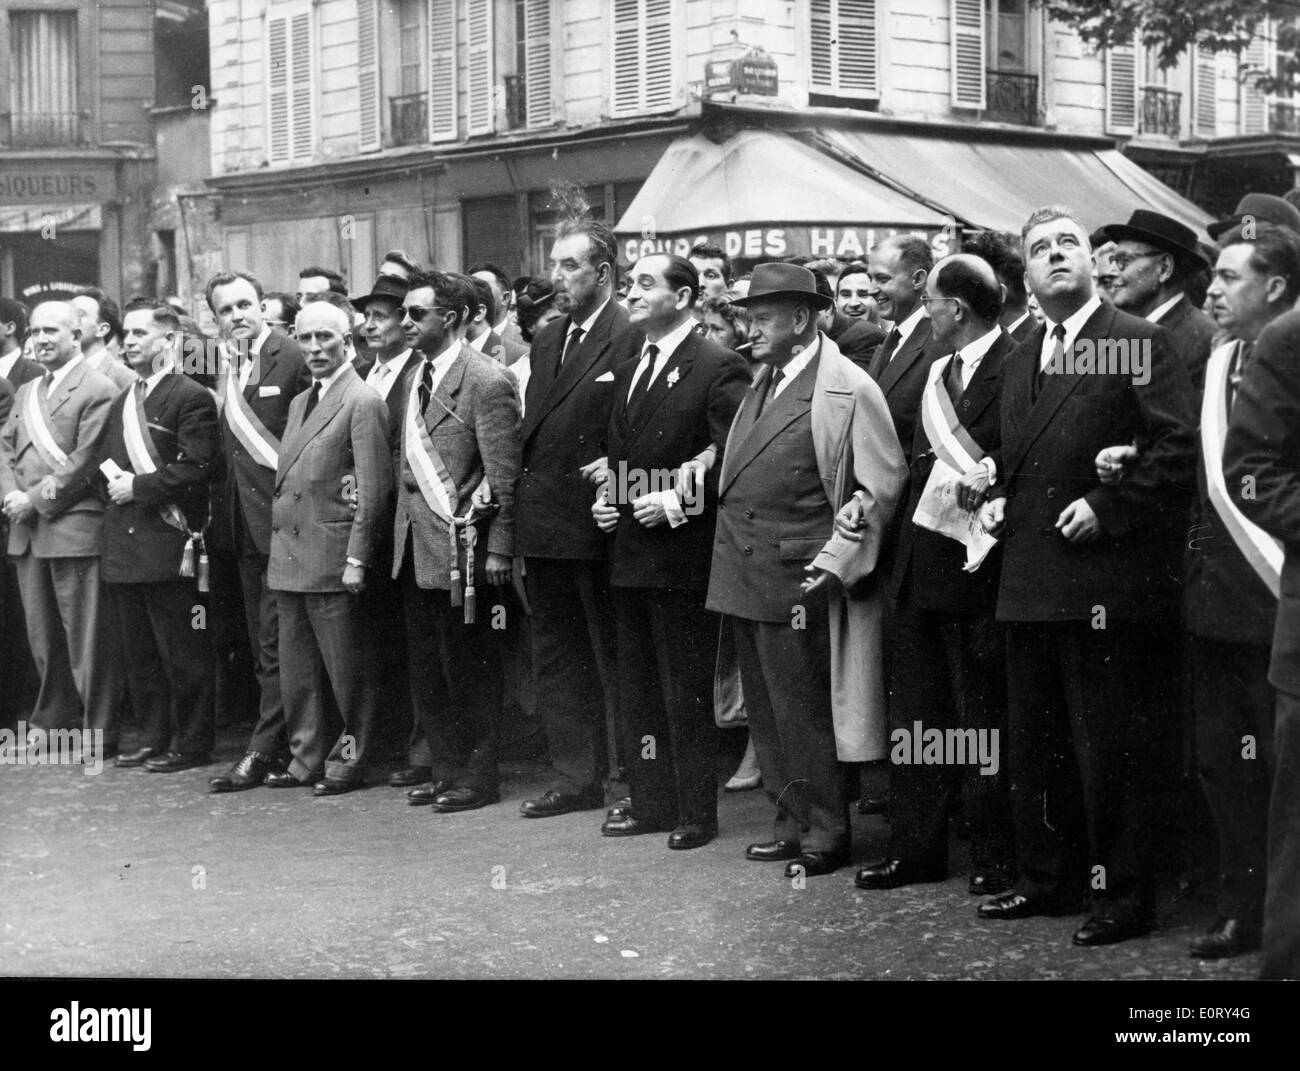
(1121,89)
(291,86)
(442,70)
(43,78)
(968,36)
(410,46)
(1008,36)
(529,97)
(843,48)
(644,62)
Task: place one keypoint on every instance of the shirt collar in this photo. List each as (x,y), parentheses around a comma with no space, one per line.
(1073,323)
(1161,311)
(260,341)
(443,358)
(394,364)
(480,342)
(669,343)
(153,380)
(974,352)
(331,379)
(1011,327)
(58,377)
(586,324)
(800,360)
(906,327)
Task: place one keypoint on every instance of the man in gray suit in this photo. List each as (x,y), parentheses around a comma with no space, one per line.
(457,462)
(335,448)
(48,452)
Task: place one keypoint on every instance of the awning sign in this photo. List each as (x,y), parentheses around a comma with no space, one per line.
(754,243)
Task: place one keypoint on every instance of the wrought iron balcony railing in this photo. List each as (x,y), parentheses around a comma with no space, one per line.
(1012,98)
(1160,112)
(40,130)
(409,118)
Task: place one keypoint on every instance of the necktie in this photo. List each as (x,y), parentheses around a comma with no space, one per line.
(1056,362)
(47,383)
(575,337)
(377,376)
(772,383)
(140,386)
(955,387)
(312,399)
(651,351)
(886,351)
(426,386)
(1240,365)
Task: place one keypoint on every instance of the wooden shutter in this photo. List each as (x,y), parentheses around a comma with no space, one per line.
(1206,85)
(478,18)
(291,87)
(968,47)
(644,64)
(302,112)
(442,70)
(370,126)
(1254,106)
(843,48)
(1121,89)
(538,87)
(277,90)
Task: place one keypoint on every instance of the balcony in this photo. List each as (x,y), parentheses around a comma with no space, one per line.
(1283,117)
(1160,113)
(409,119)
(1012,98)
(41,130)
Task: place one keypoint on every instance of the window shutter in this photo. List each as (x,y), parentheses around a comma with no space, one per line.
(968,30)
(302,115)
(1254,109)
(478,17)
(1121,89)
(1207,78)
(277,81)
(537,53)
(442,70)
(644,78)
(843,52)
(370,127)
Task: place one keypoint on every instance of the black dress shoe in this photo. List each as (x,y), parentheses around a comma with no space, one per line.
(427,793)
(336,786)
(813,864)
(464,799)
(773,851)
(284,779)
(894,873)
(622,805)
(626,824)
(874,804)
(246,773)
(1011,905)
(133,758)
(553,802)
(1227,937)
(1107,930)
(991,882)
(409,776)
(174,761)
(685,837)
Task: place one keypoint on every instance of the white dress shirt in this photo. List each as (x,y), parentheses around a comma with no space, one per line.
(667,347)
(253,350)
(974,352)
(383,374)
(797,364)
(61,374)
(1073,324)
(586,326)
(1160,311)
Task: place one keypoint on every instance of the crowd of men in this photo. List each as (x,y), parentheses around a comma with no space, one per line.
(609,498)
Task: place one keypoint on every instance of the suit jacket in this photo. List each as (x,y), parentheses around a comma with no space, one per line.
(902,380)
(566,420)
(343,444)
(654,435)
(784,475)
(503,350)
(70,514)
(1023,330)
(1193,332)
(139,546)
(112,368)
(473,423)
(24,370)
(6,399)
(279,376)
(859,341)
(1047,460)
(1262,451)
(927,567)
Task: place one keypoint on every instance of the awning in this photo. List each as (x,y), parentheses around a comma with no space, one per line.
(995,186)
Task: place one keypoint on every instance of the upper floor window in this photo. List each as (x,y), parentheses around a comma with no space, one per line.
(1008,38)
(43,78)
(290,83)
(843,49)
(645,69)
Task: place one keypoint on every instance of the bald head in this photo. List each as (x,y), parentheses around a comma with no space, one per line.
(324,331)
(965,299)
(55,332)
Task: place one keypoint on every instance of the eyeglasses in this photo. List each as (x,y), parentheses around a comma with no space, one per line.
(419,312)
(1123,260)
(927,300)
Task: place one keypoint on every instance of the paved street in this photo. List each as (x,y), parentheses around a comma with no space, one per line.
(135,874)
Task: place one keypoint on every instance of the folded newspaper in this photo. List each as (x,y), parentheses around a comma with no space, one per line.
(939,512)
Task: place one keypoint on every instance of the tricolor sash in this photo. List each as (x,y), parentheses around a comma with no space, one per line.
(430,473)
(950,441)
(1264,553)
(44,438)
(262,446)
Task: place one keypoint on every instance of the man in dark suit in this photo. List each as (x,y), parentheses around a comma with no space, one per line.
(457,467)
(857,339)
(1155,258)
(854,329)
(948,668)
(569,398)
(1089,575)
(331,485)
(899,269)
(162,451)
(670,404)
(480,334)
(1261,467)
(265,371)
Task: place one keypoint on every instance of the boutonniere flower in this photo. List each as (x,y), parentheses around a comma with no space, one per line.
(673,377)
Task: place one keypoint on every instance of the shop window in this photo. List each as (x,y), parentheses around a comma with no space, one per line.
(843,49)
(43,108)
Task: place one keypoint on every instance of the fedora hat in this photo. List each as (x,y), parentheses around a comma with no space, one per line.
(1263,208)
(387,287)
(783,280)
(1167,235)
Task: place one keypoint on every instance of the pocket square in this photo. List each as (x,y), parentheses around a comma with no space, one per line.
(267,392)
(608,377)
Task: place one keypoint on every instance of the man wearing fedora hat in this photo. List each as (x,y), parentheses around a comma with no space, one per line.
(812,432)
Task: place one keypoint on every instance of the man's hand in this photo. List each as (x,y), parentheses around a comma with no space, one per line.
(1078,523)
(689,480)
(596,472)
(851,520)
(499,568)
(993,516)
(605,515)
(972,488)
(354,578)
(820,582)
(121,488)
(18,507)
(1114,462)
(649,511)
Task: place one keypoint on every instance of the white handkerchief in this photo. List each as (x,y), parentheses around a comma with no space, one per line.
(267,392)
(608,377)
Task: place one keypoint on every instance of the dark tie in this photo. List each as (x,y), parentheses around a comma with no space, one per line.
(885,352)
(47,383)
(954,384)
(426,386)
(575,338)
(1056,362)
(651,351)
(140,388)
(1240,365)
(773,381)
(312,399)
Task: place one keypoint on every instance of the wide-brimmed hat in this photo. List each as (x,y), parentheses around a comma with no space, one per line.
(392,284)
(783,280)
(1261,207)
(1167,235)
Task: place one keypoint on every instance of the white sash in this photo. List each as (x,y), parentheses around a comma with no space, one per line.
(38,420)
(1264,553)
(141,451)
(261,445)
(950,441)
(430,473)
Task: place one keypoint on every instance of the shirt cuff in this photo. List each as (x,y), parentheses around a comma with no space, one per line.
(358,564)
(992,466)
(672,508)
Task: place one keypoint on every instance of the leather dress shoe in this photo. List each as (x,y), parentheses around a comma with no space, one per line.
(1011,905)
(773,851)
(174,761)
(464,799)
(685,837)
(1227,937)
(246,773)
(874,804)
(626,824)
(284,779)
(409,777)
(553,802)
(427,793)
(133,758)
(991,882)
(813,864)
(622,805)
(335,786)
(894,873)
(1108,930)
